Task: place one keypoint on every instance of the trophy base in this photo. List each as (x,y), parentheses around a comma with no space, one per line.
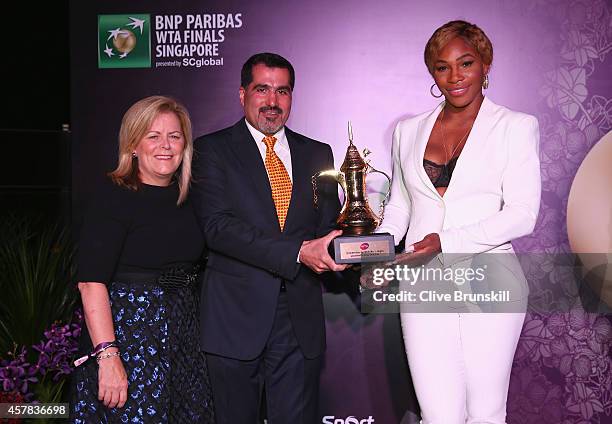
(363,248)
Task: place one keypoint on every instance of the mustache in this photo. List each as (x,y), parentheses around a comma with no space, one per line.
(270,109)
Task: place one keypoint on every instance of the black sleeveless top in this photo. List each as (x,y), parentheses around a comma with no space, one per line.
(440,175)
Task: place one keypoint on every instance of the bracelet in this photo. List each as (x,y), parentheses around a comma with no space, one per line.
(107,355)
(101,347)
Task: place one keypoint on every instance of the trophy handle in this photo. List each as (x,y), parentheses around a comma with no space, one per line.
(336,175)
(383,203)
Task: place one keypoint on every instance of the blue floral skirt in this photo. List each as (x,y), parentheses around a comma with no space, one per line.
(156,326)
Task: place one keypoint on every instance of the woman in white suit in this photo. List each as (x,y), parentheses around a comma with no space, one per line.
(466,180)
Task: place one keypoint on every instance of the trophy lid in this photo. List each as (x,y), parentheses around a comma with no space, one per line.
(352,159)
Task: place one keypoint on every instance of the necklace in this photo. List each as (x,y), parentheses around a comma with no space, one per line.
(461,140)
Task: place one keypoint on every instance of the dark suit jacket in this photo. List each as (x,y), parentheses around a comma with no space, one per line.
(248,254)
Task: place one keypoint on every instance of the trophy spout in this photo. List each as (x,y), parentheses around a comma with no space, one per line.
(336,175)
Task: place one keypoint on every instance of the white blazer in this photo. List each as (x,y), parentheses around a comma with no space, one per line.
(494,193)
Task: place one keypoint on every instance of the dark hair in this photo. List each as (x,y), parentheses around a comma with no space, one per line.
(469,32)
(271,60)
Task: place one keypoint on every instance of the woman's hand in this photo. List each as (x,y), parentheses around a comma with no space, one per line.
(366,278)
(429,245)
(418,254)
(112,382)
(112,379)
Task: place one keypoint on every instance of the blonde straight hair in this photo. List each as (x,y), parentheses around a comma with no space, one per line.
(135,125)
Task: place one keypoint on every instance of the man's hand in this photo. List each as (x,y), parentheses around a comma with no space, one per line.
(314,255)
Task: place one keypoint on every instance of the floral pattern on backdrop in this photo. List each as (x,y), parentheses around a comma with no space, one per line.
(562,369)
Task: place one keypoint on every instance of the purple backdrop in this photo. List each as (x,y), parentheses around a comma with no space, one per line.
(363,61)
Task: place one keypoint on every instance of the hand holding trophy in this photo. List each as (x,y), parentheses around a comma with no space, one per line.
(358,244)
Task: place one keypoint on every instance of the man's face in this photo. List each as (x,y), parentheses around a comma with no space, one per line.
(267,99)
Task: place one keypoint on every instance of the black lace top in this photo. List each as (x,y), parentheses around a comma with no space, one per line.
(440,175)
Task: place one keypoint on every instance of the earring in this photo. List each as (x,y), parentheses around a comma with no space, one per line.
(485,82)
(432,93)
(134,155)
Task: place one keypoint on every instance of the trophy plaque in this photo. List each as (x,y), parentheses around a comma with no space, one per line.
(358,242)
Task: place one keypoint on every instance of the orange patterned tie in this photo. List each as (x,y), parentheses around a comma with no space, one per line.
(279,181)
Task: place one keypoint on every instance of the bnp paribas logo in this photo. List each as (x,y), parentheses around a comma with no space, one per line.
(124,41)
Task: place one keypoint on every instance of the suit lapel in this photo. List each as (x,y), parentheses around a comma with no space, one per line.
(482,127)
(473,145)
(300,178)
(422,137)
(248,156)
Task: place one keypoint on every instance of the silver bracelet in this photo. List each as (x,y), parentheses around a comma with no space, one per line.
(107,355)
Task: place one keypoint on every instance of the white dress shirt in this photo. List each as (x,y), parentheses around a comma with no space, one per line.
(281,147)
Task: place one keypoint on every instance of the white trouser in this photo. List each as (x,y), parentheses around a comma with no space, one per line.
(460,364)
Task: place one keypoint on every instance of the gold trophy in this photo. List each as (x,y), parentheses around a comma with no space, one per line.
(357,221)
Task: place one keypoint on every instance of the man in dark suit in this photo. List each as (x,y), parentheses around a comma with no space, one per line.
(261,306)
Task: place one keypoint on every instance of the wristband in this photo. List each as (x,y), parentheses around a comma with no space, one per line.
(101,347)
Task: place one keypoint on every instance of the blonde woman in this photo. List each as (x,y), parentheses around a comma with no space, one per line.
(136,274)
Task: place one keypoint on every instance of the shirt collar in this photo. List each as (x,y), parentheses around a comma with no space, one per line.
(281,138)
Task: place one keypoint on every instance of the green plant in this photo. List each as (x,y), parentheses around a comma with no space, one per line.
(36,281)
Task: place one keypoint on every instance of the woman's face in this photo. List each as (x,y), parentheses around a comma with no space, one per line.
(459,72)
(160,151)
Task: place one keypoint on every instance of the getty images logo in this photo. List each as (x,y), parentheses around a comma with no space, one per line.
(330,419)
